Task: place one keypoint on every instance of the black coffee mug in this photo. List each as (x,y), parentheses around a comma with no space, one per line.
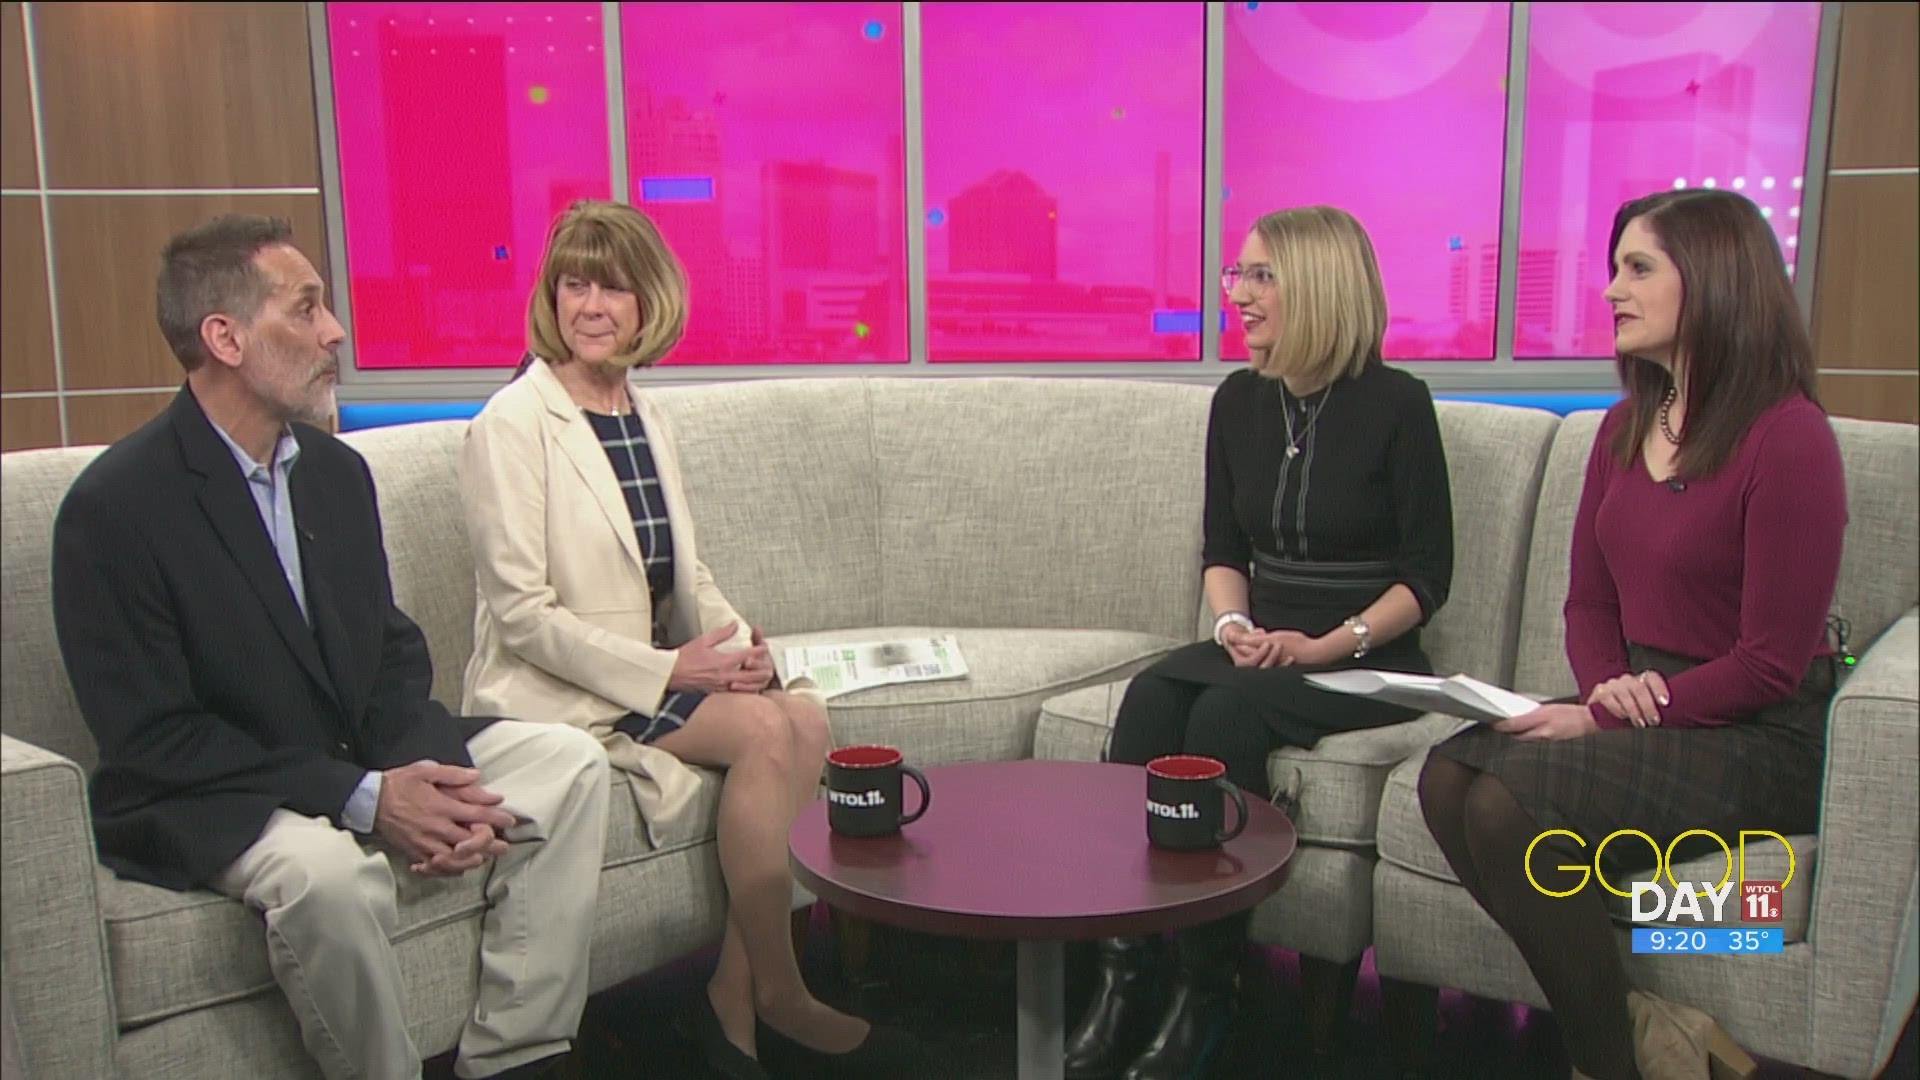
(864,791)
(1186,803)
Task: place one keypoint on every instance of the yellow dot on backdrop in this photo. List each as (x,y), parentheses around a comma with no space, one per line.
(537,95)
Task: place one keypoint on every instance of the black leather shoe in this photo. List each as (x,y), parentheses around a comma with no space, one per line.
(1191,1034)
(886,1052)
(1116,1023)
(1206,990)
(699,1025)
(547,1068)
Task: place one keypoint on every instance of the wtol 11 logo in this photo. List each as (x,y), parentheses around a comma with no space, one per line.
(1666,908)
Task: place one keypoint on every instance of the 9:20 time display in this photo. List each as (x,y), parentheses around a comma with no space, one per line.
(1714,940)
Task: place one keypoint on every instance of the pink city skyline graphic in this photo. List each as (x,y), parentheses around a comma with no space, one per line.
(1062,163)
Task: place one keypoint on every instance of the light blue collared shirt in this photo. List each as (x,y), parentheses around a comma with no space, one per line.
(273,497)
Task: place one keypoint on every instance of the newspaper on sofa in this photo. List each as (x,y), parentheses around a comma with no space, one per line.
(1458,695)
(842,669)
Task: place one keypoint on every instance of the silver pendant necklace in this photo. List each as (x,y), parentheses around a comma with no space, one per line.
(1286,414)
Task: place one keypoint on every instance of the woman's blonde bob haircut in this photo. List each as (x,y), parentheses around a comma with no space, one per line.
(618,247)
(1333,309)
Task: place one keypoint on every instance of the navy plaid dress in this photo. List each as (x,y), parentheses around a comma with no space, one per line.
(625,440)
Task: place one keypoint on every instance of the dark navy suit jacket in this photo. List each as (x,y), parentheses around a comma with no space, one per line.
(212,700)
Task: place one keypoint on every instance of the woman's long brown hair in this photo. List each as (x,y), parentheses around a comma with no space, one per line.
(1740,343)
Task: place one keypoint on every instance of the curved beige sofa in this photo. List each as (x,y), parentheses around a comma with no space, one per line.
(1053,525)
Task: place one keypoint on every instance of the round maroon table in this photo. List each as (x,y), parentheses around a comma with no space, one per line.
(1039,852)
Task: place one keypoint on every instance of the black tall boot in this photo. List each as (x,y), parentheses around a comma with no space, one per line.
(1206,990)
(1131,993)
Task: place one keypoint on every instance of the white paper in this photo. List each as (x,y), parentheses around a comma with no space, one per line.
(1458,695)
(843,668)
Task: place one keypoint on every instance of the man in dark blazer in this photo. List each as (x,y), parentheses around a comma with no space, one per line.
(221,594)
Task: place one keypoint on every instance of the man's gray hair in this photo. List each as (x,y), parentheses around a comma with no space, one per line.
(209,270)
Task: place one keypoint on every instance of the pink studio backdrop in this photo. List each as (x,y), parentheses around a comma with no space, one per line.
(1063,159)
(1063,151)
(768,142)
(1627,99)
(464,128)
(1395,113)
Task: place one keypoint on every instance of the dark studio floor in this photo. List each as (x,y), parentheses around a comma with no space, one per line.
(958,996)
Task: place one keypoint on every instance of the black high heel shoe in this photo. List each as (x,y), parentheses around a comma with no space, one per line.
(885,1052)
(700,1025)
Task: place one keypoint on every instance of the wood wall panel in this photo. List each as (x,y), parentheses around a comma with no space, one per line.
(106,253)
(29,423)
(177,95)
(1864,295)
(1876,94)
(19,165)
(1872,397)
(26,316)
(103,418)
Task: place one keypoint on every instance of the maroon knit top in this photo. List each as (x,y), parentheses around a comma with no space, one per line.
(1736,569)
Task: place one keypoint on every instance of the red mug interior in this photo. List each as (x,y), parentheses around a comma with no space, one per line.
(866,757)
(1186,767)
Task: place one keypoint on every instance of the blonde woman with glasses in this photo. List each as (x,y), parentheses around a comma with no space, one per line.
(1328,543)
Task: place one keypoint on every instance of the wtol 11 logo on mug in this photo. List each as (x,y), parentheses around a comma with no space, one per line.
(1182,812)
(1668,906)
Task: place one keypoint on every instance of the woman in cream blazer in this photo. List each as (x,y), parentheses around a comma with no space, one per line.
(568,629)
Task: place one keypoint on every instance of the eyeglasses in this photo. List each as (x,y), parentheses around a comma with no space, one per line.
(1260,277)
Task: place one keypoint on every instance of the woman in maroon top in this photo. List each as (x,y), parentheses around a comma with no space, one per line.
(1705,553)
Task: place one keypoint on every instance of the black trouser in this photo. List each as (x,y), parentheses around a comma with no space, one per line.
(1168,716)
(1163,715)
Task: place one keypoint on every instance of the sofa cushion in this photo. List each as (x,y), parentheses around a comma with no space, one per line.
(1337,783)
(416,474)
(1340,780)
(1406,843)
(173,952)
(1325,906)
(38,706)
(1540,659)
(1040,502)
(1075,726)
(1880,562)
(779,480)
(627,839)
(1496,455)
(990,714)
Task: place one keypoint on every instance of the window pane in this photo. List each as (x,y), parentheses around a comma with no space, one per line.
(1063,155)
(1395,113)
(768,143)
(463,130)
(1627,99)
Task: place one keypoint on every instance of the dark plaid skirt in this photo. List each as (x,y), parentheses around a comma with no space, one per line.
(1763,772)
(675,709)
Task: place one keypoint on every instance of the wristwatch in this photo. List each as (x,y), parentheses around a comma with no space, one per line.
(1363,633)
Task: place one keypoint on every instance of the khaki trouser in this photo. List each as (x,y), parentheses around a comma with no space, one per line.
(330,910)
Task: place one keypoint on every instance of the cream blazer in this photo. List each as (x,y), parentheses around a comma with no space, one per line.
(562,626)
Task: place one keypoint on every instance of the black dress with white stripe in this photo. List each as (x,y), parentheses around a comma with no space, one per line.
(1324,503)
(625,440)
